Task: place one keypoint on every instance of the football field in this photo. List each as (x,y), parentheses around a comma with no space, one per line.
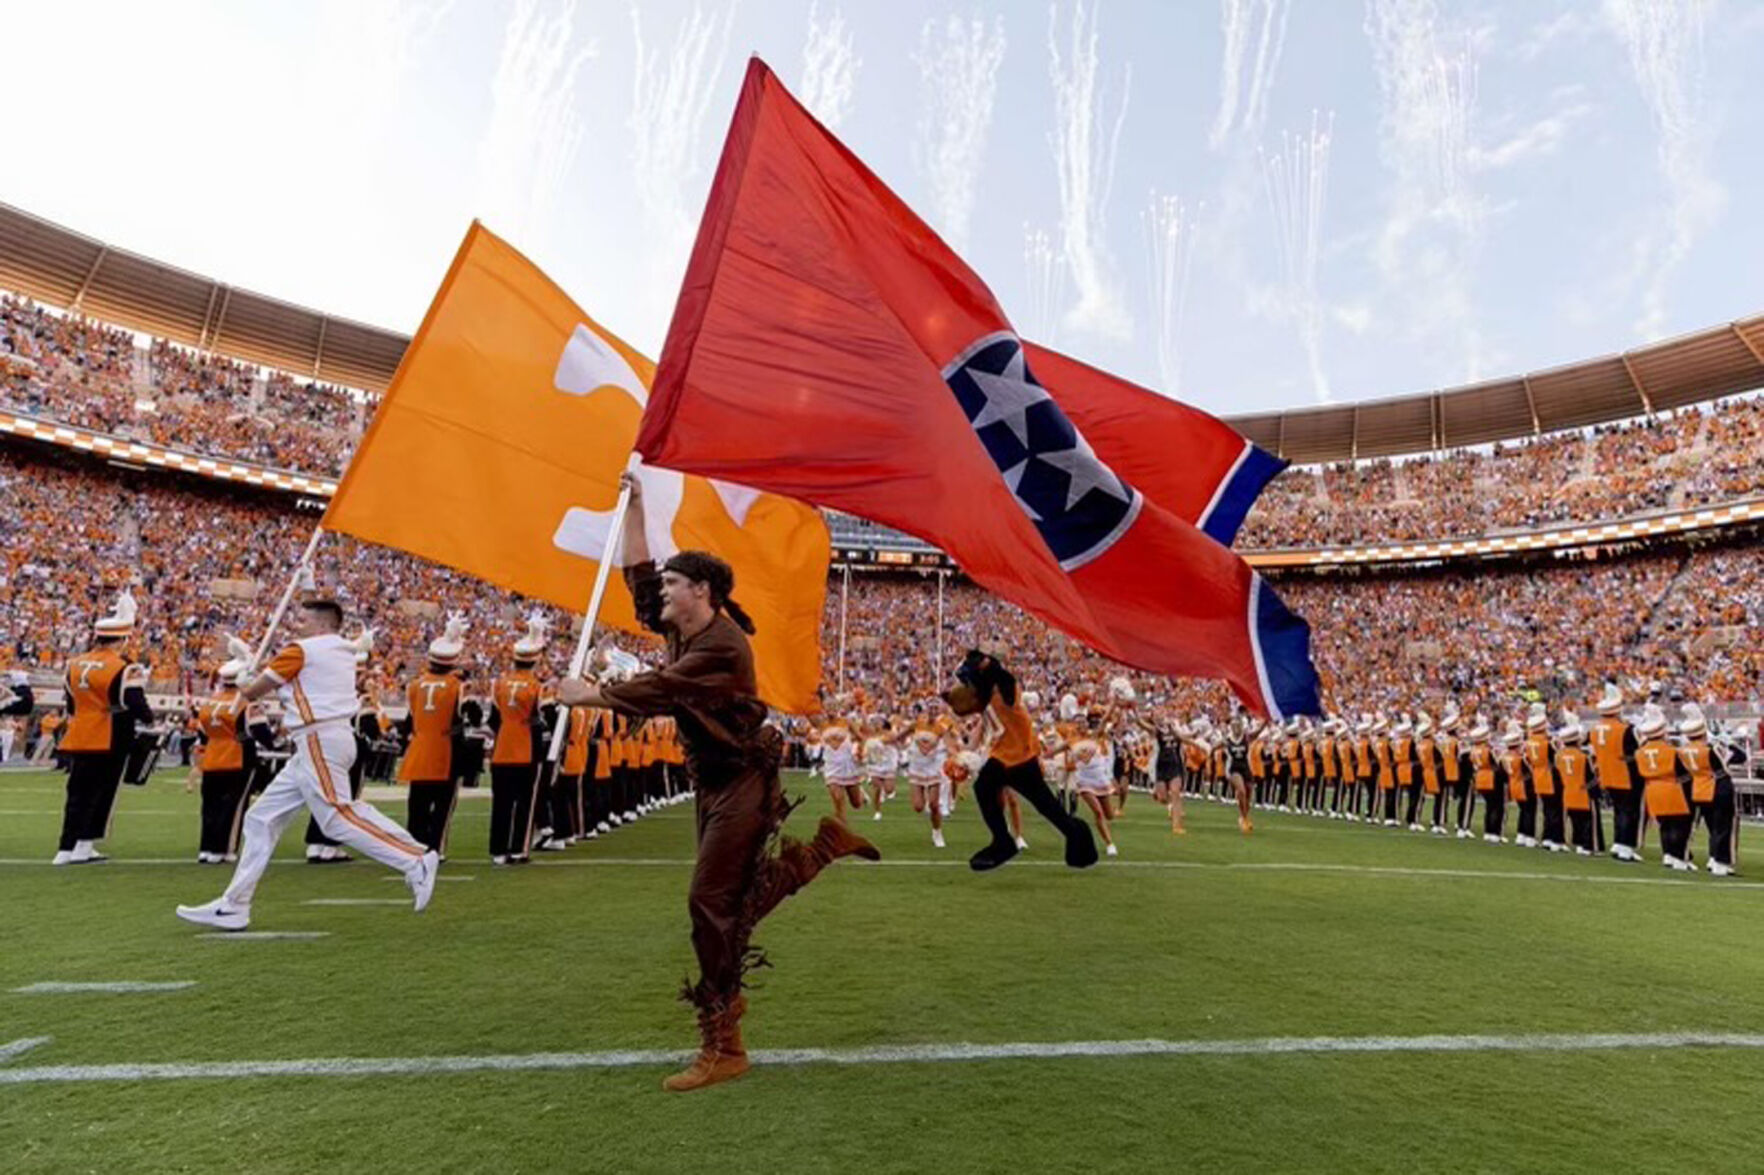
(1316,997)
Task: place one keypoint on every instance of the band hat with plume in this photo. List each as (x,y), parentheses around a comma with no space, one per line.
(534,640)
(1537,718)
(1513,735)
(1448,719)
(1423,724)
(1611,700)
(121,621)
(1652,723)
(446,648)
(1571,731)
(1693,724)
(1479,731)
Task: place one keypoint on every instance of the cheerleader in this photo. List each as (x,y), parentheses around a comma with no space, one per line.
(1093,772)
(881,757)
(925,756)
(840,767)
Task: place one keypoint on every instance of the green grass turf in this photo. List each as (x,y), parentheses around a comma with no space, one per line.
(575,957)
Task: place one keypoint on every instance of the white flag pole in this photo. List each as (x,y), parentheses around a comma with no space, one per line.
(579,659)
(844,592)
(275,619)
(938,656)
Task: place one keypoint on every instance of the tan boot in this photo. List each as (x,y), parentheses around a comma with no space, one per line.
(721,1056)
(834,840)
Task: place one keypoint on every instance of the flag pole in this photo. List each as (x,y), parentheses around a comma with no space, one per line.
(844,591)
(275,619)
(579,659)
(938,651)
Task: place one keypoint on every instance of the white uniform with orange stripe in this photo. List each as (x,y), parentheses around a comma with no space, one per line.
(316,682)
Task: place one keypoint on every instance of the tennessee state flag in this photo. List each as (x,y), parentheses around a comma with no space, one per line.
(828,346)
(497,451)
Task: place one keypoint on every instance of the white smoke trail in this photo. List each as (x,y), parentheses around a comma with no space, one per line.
(1084,155)
(670,96)
(1433,234)
(958,73)
(1665,43)
(829,68)
(1046,286)
(1266,19)
(534,131)
(1170,230)
(1297,182)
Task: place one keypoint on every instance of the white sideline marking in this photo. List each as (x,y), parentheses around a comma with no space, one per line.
(21,1046)
(356,902)
(263,935)
(120,988)
(887,1055)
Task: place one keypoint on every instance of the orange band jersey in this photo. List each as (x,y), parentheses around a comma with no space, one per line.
(515,696)
(218,720)
(434,713)
(94,687)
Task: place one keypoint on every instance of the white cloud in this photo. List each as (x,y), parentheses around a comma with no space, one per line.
(1665,43)
(829,68)
(1084,150)
(1243,108)
(533,133)
(958,78)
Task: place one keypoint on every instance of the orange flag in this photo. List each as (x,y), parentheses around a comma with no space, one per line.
(498,447)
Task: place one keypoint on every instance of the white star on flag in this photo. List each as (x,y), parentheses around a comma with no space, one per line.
(1009,396)
(1084,471)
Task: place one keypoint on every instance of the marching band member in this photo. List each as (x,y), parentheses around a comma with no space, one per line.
(1614,745)
(430,723)
(1574,772)
(1709,768)
(107,696)
(1540,770)
(315,677)
(514,777)
(1665,788)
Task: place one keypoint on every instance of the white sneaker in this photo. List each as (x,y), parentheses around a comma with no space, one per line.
(1114,852)
(422,884)
(1525,842)
(84,853)
(1021,843)
(1675,864)
(1582,852)
(1717,869)
(206,858)
(878,814)
(631,816)
(1390,823)
(591,834)
(552,845)
(218,914)
(616,820)
(1491,838)
(315,852)
(937,837)
(499,859)
(64,857)
(1414,828)
(1437,830)
(603,826)
(1465,834)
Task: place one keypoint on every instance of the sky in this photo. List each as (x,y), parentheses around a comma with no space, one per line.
(1247,204)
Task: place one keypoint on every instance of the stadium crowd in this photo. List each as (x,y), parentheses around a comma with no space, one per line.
(74,370)
(88,374)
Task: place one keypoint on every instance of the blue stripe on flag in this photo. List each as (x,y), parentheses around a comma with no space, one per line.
(1239,493)
(1284,642)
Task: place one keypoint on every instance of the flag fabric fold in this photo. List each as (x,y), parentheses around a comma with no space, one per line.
(497,451)
(828,346)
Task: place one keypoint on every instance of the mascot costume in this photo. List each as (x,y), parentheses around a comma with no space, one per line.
(984,686)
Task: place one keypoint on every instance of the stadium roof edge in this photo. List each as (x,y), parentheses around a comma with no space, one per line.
(75,272)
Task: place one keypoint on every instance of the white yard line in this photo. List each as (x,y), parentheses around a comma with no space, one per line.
(122,987)
(262,935)
(21,1046)
(885,1055)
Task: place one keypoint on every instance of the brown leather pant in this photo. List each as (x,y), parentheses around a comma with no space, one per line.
(737,880)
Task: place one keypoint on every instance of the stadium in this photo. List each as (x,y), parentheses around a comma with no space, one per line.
(1311,945)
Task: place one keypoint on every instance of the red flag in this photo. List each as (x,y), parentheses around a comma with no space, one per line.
(828,346)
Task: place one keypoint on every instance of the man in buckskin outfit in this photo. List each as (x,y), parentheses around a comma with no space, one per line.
(732,757)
